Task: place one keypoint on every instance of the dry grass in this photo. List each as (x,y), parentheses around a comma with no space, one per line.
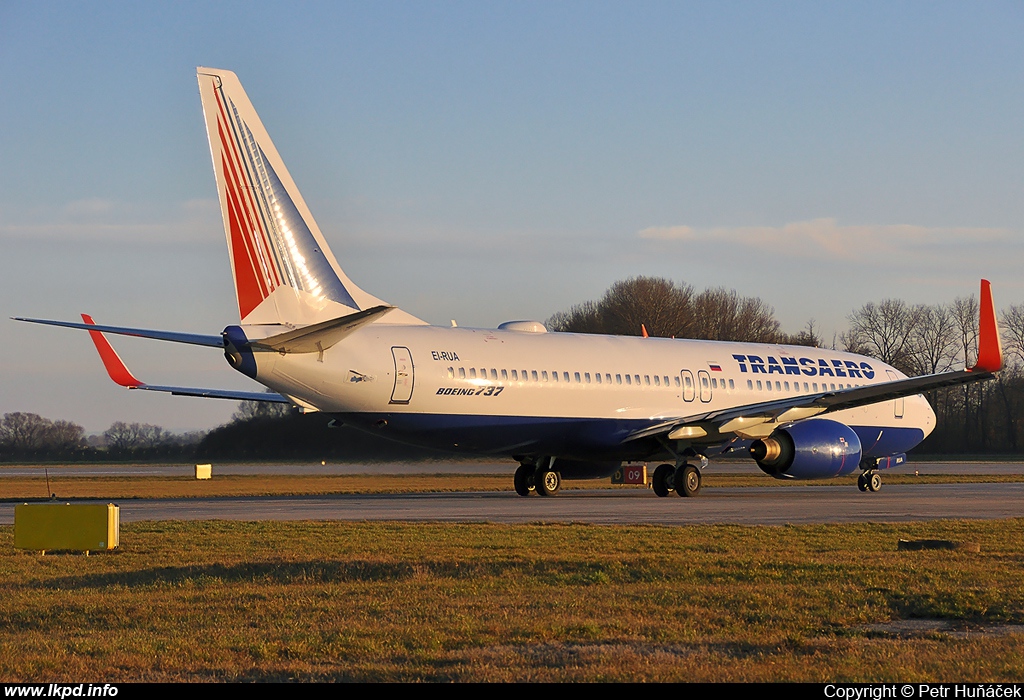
(401,602)
(110,487)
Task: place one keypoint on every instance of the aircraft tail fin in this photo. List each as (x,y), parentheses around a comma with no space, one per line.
(284,271)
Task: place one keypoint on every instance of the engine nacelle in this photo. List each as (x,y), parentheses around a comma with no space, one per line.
(810,449)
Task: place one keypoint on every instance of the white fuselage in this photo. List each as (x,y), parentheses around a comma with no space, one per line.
(502,391)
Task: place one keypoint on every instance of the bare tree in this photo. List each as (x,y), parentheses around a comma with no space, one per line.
(1013,332)
(663,307)
(721,314)
(581,318)
(23,432)
(128,437)
(933,340)
(259,410)
(64,436)
(884,330)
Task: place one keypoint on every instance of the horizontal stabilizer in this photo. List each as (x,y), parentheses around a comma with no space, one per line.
(213,341)
(319,336)
(121,375)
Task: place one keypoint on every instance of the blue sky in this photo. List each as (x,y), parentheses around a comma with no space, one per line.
(491,161)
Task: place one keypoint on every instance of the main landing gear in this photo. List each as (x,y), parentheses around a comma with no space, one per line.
(870,480)
(540,478)
(684,480)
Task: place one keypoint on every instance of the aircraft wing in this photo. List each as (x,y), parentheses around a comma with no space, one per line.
(121,375)
(761,419)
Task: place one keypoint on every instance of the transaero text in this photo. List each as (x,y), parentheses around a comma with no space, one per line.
(807,366)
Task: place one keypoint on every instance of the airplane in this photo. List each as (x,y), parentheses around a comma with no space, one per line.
(564,406)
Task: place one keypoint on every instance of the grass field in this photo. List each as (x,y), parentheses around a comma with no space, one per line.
(402,602)
(35,488)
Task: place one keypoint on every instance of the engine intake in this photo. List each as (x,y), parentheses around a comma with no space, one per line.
(811,449)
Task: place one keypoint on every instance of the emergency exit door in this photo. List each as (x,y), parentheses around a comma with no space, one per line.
(404,375)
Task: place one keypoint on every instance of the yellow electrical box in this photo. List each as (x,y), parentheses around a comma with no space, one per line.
(204,471)
(81,527)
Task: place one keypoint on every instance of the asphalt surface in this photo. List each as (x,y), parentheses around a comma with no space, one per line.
(505,467)
(747,506)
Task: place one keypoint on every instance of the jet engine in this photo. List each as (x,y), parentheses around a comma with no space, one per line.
(811,449)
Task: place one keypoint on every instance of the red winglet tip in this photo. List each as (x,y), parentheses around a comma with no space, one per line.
(990,351)
(111,362)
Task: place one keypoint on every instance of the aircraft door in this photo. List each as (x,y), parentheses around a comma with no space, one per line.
(404,375)
(689,391)
(898,404)
(705,385)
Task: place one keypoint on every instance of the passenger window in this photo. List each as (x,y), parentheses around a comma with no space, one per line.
(629,380)
(586,376)
(504,375)
(451,373)
(472,373)
(534,375)
(750,384)
(657,380)
(731,385)
(494,374)
(597,376)
(759,387)
(607,378)
(676,380)
(462,372)
(577,376)
(554,376)
(515,376)
(637,377)
(544,376)
(618,379)
(647,379)
(787,386)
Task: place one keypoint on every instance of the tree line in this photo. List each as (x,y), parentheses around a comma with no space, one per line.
(31,437)
(916,339)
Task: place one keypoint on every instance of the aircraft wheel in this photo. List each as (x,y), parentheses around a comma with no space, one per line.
(662,480)
(874,482)
(862,482)
(524,480)
(687,480)
(548,481)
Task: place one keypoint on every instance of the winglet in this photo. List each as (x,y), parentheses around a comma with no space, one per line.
(111,362)
(990,350)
